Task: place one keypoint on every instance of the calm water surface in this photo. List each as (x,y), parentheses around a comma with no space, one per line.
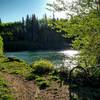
(59,58)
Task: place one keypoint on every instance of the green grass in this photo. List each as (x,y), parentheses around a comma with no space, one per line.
(14,67)
(5,93)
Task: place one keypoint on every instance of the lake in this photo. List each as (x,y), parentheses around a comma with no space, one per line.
(59,58)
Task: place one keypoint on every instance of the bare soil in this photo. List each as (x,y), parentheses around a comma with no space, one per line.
(28,90)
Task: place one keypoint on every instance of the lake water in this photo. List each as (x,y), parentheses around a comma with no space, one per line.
(59,58)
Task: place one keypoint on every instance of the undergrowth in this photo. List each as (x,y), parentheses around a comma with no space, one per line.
(5,93)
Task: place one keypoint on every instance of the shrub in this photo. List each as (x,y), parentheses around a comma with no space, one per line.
(31,76)
(75,97)
(55,72)
(93,76)
(63,74)
(55,78)
(42,67)
(42,82)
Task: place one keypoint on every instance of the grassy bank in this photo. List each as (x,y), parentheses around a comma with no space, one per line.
(50,80)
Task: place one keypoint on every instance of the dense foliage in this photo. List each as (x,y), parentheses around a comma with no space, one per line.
(84,27)
(86,33)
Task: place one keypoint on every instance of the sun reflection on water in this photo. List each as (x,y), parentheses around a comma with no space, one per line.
(69,60)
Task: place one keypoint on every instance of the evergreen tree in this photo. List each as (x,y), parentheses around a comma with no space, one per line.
(35,28)
(0,21)
(28,27)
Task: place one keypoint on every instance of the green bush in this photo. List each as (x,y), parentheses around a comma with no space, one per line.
(74,97)
(55,78)
(63,74)
(55,72)
(42,67)
(31,76)
(93,76)
(42,82)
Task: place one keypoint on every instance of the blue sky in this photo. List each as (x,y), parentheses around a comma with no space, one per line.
(14,10)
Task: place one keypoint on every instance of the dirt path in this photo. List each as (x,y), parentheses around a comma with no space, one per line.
(22,89)
(27,90)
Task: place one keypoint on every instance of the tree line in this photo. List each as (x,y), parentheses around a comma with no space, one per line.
(32,33)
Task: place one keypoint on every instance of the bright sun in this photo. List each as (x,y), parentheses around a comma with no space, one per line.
(61,14)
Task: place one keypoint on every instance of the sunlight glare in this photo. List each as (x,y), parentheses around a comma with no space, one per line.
(70,53)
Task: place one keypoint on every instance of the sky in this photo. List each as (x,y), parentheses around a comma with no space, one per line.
(14,10)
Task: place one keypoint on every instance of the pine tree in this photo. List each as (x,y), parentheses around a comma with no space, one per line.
(0,21)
